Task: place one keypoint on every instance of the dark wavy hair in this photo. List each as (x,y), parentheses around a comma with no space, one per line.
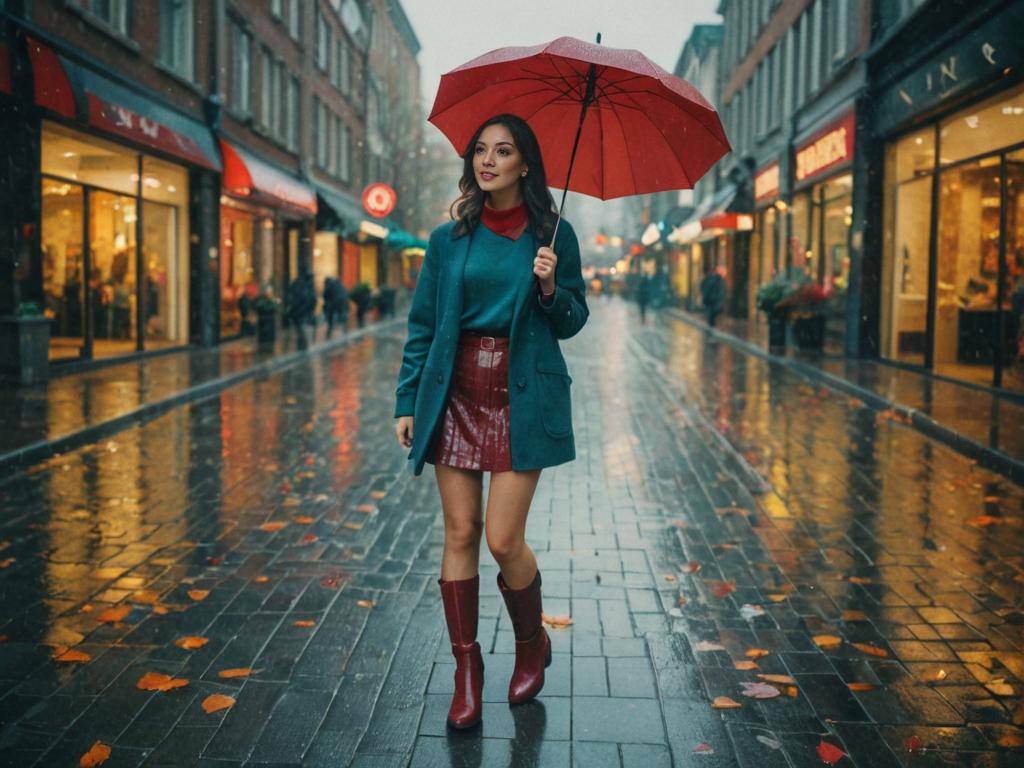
(540,205)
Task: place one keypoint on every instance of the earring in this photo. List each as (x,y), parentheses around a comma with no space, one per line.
(523,174)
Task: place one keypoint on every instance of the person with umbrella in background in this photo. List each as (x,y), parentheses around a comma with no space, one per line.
(483,378)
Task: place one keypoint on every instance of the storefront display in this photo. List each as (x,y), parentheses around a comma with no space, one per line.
(956,305)
(106,296)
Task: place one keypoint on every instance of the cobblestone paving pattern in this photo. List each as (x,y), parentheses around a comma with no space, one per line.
(872,596)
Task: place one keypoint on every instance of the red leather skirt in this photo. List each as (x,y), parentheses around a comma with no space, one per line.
(474,433)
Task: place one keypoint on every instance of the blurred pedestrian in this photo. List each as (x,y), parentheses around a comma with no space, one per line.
(335,304)
(643,296)
(454,382)
(712,294)
(302,306)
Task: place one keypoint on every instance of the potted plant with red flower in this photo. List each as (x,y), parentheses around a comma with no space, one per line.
(806,309)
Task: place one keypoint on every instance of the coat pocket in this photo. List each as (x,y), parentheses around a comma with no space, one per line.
(556,402)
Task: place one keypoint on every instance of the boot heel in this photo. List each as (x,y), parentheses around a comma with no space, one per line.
(547,654)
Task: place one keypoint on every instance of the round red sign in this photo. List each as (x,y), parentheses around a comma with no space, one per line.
(379,200)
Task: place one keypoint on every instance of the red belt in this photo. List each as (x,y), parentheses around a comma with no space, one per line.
(473,339)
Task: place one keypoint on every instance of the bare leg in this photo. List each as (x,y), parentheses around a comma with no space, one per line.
(461,498)
(508,502)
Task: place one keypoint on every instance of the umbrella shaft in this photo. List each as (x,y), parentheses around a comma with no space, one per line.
(588,97)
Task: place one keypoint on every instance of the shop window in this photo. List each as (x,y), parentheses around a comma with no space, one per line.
(1013,302)
(295,18)
(267,89)
(112,278)
(906,225)
(63,211)
(86,160)
(238,268)
(992,125)
(801,252)
(177,36)
(165,229)
(837,217)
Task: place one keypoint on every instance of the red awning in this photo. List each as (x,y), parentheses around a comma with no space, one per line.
(75,91)
(245,175)
(50,84)
(739,221)
(5,69)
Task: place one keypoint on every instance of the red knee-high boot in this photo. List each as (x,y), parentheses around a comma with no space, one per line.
(533,646)
(461,600)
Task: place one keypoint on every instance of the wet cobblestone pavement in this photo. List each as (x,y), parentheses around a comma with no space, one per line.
(865,610)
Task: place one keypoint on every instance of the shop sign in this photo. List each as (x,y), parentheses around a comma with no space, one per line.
(992,50)
(379,200)
(826,150)
(124,122)
(766,182)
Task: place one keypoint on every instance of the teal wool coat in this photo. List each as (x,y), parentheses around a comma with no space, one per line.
(540,409)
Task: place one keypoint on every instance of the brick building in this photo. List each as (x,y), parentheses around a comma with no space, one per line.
(165,158)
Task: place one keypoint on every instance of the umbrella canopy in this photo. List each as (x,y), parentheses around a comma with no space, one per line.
(639,129)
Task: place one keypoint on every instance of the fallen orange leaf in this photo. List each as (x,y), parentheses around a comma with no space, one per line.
(237,672)
(160,610)
(721,588)
(87,608)
(198,594)
(756,653)
(215,702)
(7,563)
(776,598)
(1011,740)
(555,621)
(114,615)
(791,691)
(304,520)
(860,686)
(97,755)
(304,623)
(378,494)
(732,511)
(191,643)
(745,665)
(783,679)
(64,655)
(158,681)
(366,508)
(669,577)
(365,603)
(724,702)
(859,580)
(873,650)
(352,526)
(827,641)
(261,579)
(934,676)
(148,597)
(854,616)
(272,526)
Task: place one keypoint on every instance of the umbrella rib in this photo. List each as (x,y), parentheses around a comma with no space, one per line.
(622,128)
(686,106)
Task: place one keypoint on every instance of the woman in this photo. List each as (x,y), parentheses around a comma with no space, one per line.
(486,385)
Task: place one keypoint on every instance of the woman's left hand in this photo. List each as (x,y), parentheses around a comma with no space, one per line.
(544,268)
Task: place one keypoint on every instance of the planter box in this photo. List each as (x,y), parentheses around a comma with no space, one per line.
(25,348)
(776,330)
(809,333)
(266,327)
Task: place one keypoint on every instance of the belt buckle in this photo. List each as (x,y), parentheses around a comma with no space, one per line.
(484,340)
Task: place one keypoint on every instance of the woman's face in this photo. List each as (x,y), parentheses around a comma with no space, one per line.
(497,163)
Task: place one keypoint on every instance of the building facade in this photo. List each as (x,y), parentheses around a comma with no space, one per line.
(166,158)
(945,279)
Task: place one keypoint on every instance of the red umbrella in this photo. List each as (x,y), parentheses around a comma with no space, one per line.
(638,128)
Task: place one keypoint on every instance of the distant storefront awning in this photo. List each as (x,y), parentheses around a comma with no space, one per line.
(400,239)
(338,212)
(246,176)
(711,216)
(86,96)
(6,85)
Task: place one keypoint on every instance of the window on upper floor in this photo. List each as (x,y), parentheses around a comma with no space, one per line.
(276,8)
(177,37)
(241,76)
(113,13)
(332,149)
(892,12)
(266,89)
(345,154)
(295,18)
(323,40)
(344,66)
(280,89)
(321,134)
(294,113)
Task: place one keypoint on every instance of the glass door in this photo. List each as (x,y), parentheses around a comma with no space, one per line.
(911,215)
(64,267)
(160,282)
(112,279)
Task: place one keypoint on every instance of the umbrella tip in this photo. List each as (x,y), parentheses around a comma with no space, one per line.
(598,38)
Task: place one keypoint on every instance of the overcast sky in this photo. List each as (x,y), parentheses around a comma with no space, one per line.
(451,32)
(454,31)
